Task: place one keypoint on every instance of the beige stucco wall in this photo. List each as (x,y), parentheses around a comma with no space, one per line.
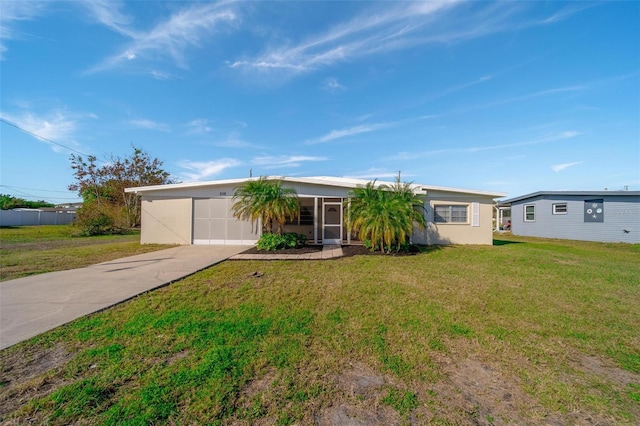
(167,216)
(166,220)
(456,233)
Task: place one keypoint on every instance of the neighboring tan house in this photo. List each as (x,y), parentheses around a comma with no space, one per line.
(607,216)
(200,213)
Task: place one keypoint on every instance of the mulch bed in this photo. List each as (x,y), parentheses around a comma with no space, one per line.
(301,250)
(352,250)
(361,250)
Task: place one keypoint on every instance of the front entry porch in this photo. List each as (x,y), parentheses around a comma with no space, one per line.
(322,220)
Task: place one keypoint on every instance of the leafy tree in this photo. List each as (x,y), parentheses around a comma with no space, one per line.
(8,202)
(385,215)
(266,200)
(102,188)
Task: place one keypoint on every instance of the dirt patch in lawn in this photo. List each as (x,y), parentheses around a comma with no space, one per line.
(484,395)
(23,375)
(359,401)
(472,391)
(605,370)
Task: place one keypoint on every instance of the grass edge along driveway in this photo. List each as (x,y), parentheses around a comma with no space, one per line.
(29,250)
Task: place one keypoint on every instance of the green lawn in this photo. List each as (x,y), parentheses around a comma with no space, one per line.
(28,250)
(528,331)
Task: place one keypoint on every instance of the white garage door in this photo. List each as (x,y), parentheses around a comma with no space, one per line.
(214,224)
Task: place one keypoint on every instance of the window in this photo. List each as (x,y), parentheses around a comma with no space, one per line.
(559,208)
(450,214)
(530,213)
(304,216)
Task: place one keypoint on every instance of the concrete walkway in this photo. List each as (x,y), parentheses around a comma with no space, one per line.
(328,252)
(32,305)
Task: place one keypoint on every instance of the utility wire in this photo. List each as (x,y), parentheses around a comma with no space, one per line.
(33,189)
(42,137)
(21,194)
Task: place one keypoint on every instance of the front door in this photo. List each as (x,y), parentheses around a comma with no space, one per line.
(332,223)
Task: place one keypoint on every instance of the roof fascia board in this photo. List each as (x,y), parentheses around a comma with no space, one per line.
(571,193)
(322,180)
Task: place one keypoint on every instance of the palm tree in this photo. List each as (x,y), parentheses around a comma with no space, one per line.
(385,215)
(266,200)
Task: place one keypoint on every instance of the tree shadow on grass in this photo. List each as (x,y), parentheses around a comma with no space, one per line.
(505,242)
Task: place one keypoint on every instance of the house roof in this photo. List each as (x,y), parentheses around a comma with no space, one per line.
(570,193)
(341,182)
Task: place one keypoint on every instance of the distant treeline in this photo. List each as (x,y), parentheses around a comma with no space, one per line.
(8,202)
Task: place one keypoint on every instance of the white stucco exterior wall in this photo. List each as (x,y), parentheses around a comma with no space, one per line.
(166,220)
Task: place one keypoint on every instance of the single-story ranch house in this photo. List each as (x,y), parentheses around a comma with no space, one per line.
(606,216)
(201,213)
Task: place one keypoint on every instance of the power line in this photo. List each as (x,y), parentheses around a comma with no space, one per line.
(34,189)
(24,194)
(21,194)
(42,137)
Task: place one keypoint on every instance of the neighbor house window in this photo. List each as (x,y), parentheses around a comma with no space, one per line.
(559,208)
(450,214)
(530,213)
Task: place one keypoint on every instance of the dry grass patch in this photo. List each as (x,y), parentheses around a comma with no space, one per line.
(29,250)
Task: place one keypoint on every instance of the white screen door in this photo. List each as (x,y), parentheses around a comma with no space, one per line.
(332,223)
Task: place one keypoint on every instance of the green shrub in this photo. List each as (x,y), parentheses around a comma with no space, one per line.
(270,242)
(95,219)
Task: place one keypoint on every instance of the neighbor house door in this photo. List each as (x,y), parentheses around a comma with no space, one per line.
(332,223)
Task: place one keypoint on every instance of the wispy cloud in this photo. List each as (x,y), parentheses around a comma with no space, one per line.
(373,173)
(199,126)
(381,29)
(161,75)
(364,128)
(59,126)
(548,138)
(13,12)
(274,162)
(198,170)
(170,39)
(108,13)
(331,84)
(560,167)
(569,134)
(234,140)
(351,131)
(385,27)
(567,11)
(150,125)
(538,94)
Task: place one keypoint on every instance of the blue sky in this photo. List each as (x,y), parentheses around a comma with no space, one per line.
(513,97)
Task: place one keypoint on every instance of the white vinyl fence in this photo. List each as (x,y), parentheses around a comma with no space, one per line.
(35,217)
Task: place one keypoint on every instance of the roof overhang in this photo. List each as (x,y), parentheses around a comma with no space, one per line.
(569,194)
(340,182)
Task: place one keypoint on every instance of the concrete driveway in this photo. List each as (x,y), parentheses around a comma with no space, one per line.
(32,305)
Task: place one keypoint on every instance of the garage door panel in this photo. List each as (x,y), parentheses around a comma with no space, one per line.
(234,229)
(201,229)
(219,208)
(201,208)
(217,229)
(249,230)
(214,223)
